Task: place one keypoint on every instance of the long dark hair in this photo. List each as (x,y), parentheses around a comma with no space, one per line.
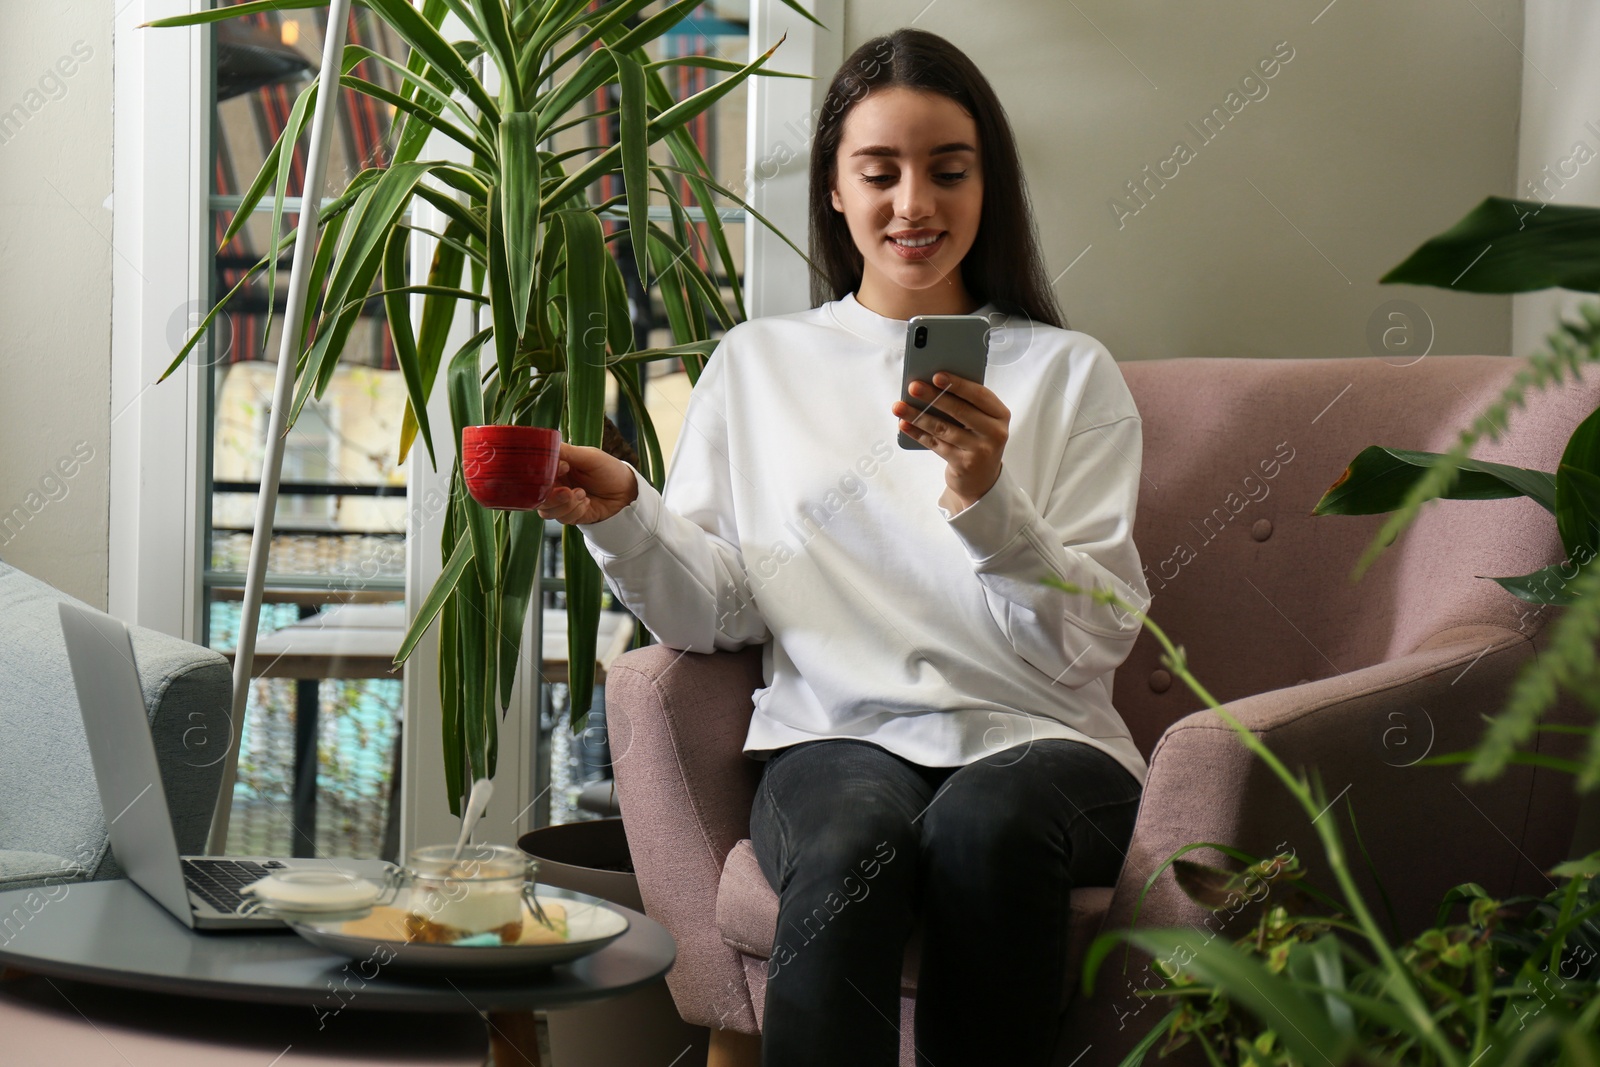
(1003,265)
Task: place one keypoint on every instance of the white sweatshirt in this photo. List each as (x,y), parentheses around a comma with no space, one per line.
(790,516)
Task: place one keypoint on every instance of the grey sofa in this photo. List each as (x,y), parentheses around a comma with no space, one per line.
(51,826)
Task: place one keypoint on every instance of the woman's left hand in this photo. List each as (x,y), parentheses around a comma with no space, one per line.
(971,454)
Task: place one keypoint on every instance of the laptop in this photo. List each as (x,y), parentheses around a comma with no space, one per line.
(200,891)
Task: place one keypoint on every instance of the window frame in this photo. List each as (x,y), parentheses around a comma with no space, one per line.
(161,132)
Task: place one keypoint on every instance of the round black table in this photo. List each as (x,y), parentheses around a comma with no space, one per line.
(112,933)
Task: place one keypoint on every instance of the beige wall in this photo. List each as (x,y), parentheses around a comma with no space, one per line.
(55,291)
(1388,124)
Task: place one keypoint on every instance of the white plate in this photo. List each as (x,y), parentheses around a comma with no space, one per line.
(592,924)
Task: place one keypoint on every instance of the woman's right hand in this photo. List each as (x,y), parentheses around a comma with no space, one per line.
(590,485)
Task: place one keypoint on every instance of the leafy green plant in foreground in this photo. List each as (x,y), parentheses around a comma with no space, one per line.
(1514,984)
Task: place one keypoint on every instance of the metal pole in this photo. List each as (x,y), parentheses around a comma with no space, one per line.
(282,397)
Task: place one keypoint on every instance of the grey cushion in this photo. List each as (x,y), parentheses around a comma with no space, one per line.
(49,803)
(19,869)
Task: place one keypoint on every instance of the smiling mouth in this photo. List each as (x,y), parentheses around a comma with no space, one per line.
(917,242)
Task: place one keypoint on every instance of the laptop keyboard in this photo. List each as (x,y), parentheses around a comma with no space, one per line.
(218,882)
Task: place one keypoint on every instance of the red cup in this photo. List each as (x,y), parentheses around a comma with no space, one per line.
(510,468)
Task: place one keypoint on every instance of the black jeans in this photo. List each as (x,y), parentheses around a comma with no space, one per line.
(855,840)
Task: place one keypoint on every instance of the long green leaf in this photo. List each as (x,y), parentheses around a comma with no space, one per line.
(658,127)
(422,79)
(1141,1049)
(586,325)
(743,204)
(619,319)
(610,22)
(628,384)
(472,652)
(501,301)
(407,290)
(398,311)
(649,355)
(321,263)
(446,584)
(285,148)
(558,102)
(795,6)
(416,32)
(466,409)
(519,153)
(625,38)
(475,181)
(551,251)
(437,315)
(453,726)
(432,119)
(1295,1018)
(1510,246)
(217,309)
(524,543)
(707,291)
(355,269)
(635,158)
(713,225)
(416,69)
(251,7)
(1548,585)
(495,33)
(1577,509)
(269,167)
(713,63)
(535,37)
(583,620)
(1327,968)
(471,225)
(685,237)
(1379,478)
(680,113)
(672,290)
(332,215)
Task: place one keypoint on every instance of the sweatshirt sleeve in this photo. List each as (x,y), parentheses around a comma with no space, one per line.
(673,557)
(1084,535)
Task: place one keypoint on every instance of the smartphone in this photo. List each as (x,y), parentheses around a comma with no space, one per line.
(955,344)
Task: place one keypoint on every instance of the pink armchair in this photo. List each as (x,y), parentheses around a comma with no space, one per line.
(1360,679)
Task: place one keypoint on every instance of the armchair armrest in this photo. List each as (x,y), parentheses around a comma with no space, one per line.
(677,723)
(1365,730)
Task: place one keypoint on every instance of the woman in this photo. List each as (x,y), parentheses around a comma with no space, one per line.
(936,726)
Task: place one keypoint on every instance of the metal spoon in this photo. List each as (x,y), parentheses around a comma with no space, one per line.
(477,800)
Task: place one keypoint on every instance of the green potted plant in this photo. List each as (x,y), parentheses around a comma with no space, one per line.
(523,245)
